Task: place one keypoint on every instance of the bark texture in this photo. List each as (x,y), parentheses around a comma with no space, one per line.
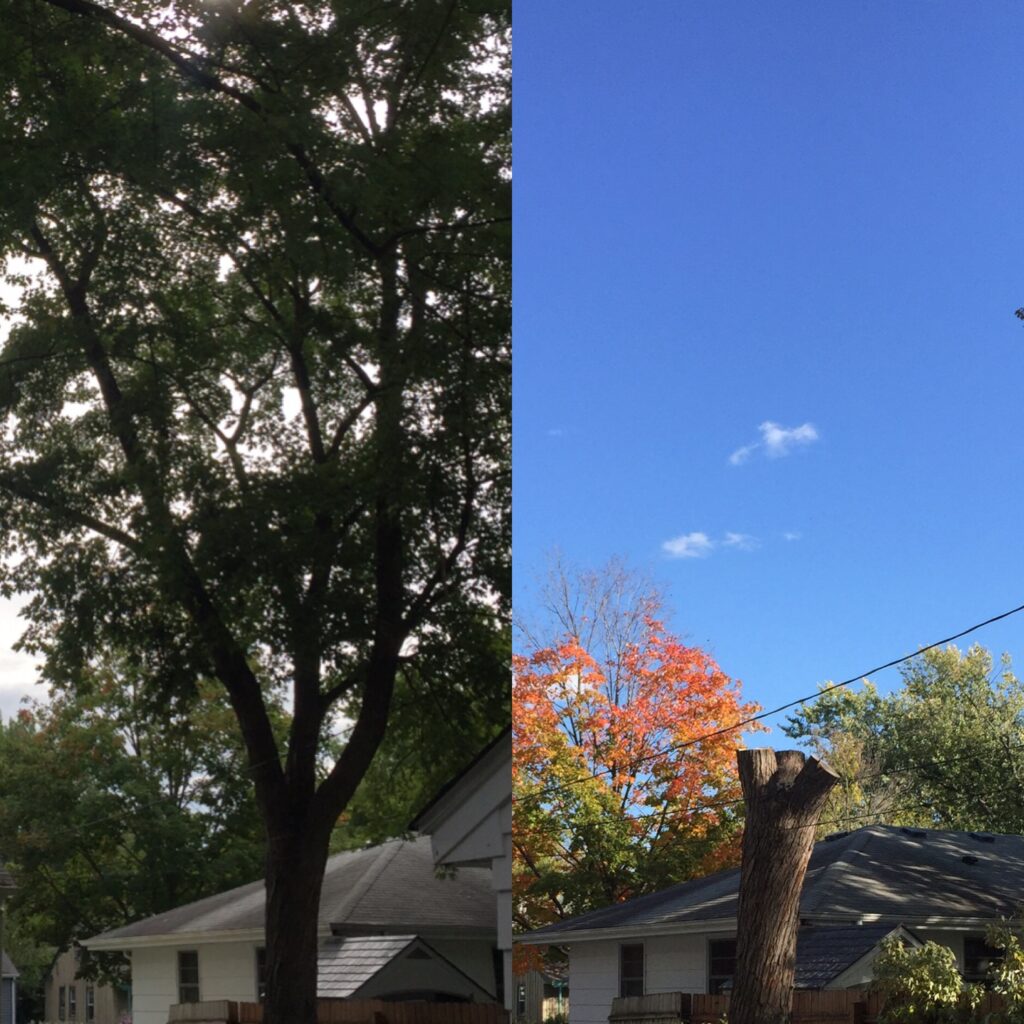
(784,794)
(295,868)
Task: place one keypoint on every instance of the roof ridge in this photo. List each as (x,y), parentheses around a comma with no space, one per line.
(855,845)
(366,882)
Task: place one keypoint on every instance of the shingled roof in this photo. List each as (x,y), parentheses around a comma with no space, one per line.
(881,873)
(393,887)
(823,952)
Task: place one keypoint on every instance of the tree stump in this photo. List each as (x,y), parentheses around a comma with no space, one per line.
(784,794)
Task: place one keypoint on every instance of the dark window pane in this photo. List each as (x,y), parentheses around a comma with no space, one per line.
(721,963)
(188,976)
(978,957)
(631,970)
(261,974)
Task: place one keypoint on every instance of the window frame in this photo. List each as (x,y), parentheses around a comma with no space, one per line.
(719,977)
(991,954)
(632,979)
(90,1002)
(183,985)
(72,1002)
(62,1002)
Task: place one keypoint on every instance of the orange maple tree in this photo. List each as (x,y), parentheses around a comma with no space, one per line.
(618,789)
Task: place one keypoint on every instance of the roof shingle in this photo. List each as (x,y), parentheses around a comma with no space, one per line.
(881,872)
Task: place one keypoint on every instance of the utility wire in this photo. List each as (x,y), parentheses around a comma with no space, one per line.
(687,813)
(672,748)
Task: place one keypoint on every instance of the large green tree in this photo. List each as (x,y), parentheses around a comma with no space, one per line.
(256,406)
(943,750)
(109,812)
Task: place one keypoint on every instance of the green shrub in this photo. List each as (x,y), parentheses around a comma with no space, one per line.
(922,985)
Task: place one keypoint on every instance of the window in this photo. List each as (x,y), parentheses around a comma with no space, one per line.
(90,1003)
(188,976)
(62,1002)
(72,1002)
(520,1000)
(978,956)
(631,970)
(261,974)
(721,964)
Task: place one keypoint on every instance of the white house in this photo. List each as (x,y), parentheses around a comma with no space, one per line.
(860,887)
(470,824)
(390,927)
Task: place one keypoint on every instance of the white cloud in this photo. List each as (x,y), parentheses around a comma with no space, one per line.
(792,535)
(689,545)
(742,454)
(742,541)
(776,441)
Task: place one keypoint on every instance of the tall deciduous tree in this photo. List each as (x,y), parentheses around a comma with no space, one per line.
(255,410)
(616,794)
(944,750)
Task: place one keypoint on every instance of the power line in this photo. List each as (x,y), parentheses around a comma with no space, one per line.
(687,813)
(672,748)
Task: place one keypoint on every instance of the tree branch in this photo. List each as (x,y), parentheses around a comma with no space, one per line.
(172,559)
(213,83)
(58,509)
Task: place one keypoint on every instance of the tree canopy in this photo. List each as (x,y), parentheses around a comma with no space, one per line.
(255,401)
(943,750)
(616,793)
(110,813)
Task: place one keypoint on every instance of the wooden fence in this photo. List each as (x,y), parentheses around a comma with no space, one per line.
(848,1006)
(347,1011)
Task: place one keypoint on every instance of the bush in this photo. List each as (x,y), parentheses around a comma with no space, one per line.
(922,985)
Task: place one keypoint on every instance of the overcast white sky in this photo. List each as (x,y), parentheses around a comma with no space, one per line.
(18,675)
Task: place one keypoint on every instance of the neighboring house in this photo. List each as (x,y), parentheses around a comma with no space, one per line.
(860,887)
(470,824)
(70,998)
(542,995)
(391,927)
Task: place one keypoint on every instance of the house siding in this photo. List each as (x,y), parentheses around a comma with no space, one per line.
(593,981)
(678,963)
(111,1003)
(226,971)
(672,963)
(473,958)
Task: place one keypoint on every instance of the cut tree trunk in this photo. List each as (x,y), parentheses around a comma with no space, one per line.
(784,794)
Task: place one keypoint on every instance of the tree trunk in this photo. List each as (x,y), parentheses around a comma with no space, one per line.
(784,797)
(295,870)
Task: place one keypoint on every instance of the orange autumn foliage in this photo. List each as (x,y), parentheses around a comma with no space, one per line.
(616,792)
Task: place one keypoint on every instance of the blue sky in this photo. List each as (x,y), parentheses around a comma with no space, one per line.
(803,215)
